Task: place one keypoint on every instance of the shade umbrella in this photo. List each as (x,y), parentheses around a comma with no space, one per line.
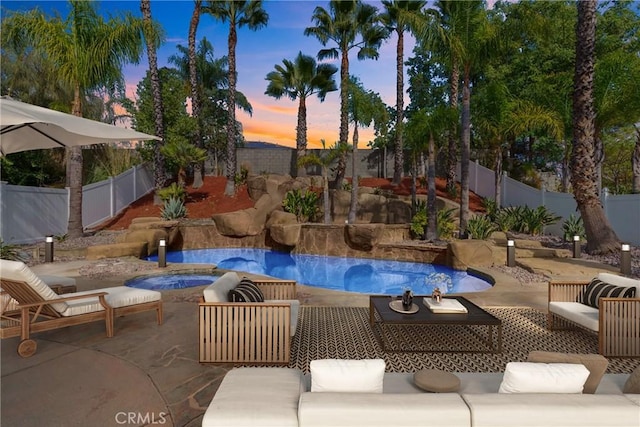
(26,127)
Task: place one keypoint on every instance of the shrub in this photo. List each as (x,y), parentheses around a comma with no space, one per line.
(491,207)
(304,205)
(174,191)
(241,177)
(506,219)
(174,209)
(573,226)
(11,252)
(536,219)
(480,227)
(446,223)
(419,223)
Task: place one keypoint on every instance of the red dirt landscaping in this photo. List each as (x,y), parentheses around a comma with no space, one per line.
(210,199)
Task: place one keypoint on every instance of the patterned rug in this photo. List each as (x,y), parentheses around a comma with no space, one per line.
(344,333)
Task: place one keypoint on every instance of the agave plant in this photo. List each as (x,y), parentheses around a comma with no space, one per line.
(480,227)
(173,209)
(11,252)
(573,226)
(304,205)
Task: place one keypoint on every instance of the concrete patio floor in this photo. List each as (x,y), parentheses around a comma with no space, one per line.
(149,374)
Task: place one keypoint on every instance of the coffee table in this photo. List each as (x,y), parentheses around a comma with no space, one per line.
(425,331)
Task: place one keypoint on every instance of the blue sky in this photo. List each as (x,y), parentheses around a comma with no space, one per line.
(257,54)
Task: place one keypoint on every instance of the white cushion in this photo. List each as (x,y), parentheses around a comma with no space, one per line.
(383,410)
(364,375)
(119,296)
(19,272)
(536,410)
(218,291)
(295,309)
(581,314)
(528,377)
(626,282)
(256,396)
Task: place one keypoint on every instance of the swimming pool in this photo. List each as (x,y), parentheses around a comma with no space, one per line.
(362,275)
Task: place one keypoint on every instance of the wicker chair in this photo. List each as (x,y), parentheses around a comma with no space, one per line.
(616,321)
(248,332)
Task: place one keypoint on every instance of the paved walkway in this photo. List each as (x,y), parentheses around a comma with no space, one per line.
(149,374)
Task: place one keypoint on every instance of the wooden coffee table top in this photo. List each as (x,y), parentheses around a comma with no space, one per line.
(474,316)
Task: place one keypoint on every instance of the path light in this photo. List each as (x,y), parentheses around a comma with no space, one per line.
(162,253)
(511,253)
(625,260)
(48,249)
(576,246)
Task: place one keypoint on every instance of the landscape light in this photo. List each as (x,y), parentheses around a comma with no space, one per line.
(511,253)
(625,260)
(48,249)
(576,246)
(162,253)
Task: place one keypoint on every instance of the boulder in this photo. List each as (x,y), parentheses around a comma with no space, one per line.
(116,250)
(281,218)
(285,234)
(340,203)
(398,212)
(256,186)
(463,253)
(158,223)
(239,223)
(151,237)
(364,236)
(371,208)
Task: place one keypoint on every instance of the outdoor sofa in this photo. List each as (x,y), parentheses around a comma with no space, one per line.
(255,396)
(608,305)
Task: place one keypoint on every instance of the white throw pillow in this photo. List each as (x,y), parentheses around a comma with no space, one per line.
(338,375)
(527,377)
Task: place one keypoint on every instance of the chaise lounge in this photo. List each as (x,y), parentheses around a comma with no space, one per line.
(41,309)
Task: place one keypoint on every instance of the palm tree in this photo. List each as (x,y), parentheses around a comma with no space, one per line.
(160,173)
(90,53)
(601,238)
(398,17)
(298,80)
(349,24)
(364,107)
(198,168)
(464,29)
(325,159)
(183,154)
(239,13)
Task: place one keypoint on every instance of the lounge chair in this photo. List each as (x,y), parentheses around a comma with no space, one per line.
(41,309)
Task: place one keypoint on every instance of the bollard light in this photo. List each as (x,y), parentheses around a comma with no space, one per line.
(162,253)
(48,249)
(625,260)
(511,253)
(576,246)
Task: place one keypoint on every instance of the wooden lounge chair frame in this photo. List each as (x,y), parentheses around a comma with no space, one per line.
(618,319)
(248,332)
(34,314)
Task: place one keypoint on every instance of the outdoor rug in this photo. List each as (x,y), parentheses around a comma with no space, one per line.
(344,333)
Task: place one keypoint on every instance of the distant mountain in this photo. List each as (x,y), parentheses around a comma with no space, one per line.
(260,144)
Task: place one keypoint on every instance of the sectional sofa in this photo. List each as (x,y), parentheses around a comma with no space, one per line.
(256,396)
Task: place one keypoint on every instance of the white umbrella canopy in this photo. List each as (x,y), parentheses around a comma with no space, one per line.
(26,127)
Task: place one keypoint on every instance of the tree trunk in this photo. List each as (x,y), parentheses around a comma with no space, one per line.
(198,169)
(160,174)
(325,195)
(398,163)
(452,155)
(414,186)
(74,176)
(498,178)
(353,208)
(635,163)
(301,137)
(230,188)
(432,215)
(600,236)
(566,169)
(465,153)
(344,116)
(598,160)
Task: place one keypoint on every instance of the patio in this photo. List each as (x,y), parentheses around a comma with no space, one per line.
(150,374)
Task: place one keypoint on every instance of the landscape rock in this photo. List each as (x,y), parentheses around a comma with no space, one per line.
(364,236)
(115,250)
(464,253)
(285,234)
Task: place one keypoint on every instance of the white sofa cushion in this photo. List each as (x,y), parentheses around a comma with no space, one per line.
(340,375)
(256,397)
(382,410)
(119,296)
(218,291)
(528,377)
(576,312)
(20,272)
(295,309)
(536,410)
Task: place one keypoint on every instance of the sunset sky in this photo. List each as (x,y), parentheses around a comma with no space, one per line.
(257,53)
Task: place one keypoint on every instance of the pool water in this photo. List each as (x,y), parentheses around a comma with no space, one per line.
(362,275)
(171,281)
